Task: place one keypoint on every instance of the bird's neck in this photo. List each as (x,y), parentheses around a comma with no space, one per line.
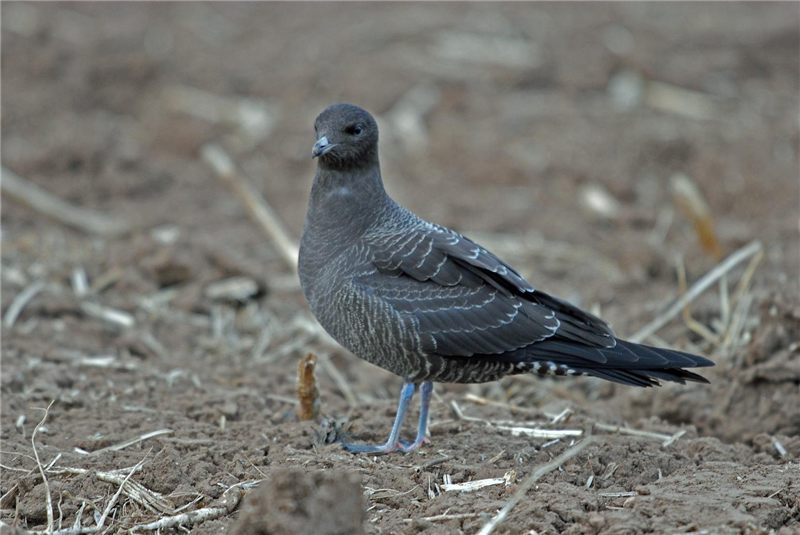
(351,199)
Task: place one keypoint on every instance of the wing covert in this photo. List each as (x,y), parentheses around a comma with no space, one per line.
(466,300)
(463,320)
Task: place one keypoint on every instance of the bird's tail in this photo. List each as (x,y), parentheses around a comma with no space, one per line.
(625,363)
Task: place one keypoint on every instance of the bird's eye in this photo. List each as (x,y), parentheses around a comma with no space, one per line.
(354,130)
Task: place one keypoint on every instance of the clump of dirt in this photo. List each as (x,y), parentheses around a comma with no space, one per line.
(296,501)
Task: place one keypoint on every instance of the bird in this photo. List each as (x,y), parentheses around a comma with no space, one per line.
(432,306)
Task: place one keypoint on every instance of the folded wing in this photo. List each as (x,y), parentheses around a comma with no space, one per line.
(465,300)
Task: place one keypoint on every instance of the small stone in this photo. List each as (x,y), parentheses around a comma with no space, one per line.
(596,520)
(626,91)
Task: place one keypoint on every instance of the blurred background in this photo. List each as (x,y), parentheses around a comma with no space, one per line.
(602,149)
(538,120)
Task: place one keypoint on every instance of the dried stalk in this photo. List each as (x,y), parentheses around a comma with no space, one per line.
(20,301)
(258,208)
(44,202)
(307,391)
(41,469)
(226,506)
(697,288)
(131,442)
(543,470)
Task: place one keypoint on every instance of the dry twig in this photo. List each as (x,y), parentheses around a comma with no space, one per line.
(489,527)
(674,99)
(150,500)
(780,448)
(515,427)
(741,301)
(697,288)
(46,203)
(20,301)
(539,433)
(469,486)
(41,469)
(446,517)
(131,442)
(666,440)
(688,319)
(120,318)
(77,529)
(258,208)
(227,504)
(80,282)
(625,494)
(101,522)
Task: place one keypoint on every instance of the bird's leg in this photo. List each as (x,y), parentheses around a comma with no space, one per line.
(393,443)
(426,390)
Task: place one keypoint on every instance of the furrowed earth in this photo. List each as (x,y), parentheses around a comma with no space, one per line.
(554,135)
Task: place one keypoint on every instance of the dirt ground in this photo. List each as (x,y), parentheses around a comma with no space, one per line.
(552,134)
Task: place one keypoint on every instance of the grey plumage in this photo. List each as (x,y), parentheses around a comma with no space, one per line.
(430,305)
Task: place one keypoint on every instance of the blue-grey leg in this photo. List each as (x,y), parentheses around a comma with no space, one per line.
(425,390)
(393,443)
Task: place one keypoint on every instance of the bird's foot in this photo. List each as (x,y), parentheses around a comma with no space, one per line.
(401,446)
(368,448)
(408,447)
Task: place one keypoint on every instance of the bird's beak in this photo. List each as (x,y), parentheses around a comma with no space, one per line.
(321,147)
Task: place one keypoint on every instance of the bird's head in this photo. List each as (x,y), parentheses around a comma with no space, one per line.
(347,137)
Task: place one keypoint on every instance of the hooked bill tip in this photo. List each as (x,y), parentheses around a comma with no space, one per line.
(321,147)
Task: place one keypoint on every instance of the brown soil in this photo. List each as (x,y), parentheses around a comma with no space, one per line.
(506,149)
